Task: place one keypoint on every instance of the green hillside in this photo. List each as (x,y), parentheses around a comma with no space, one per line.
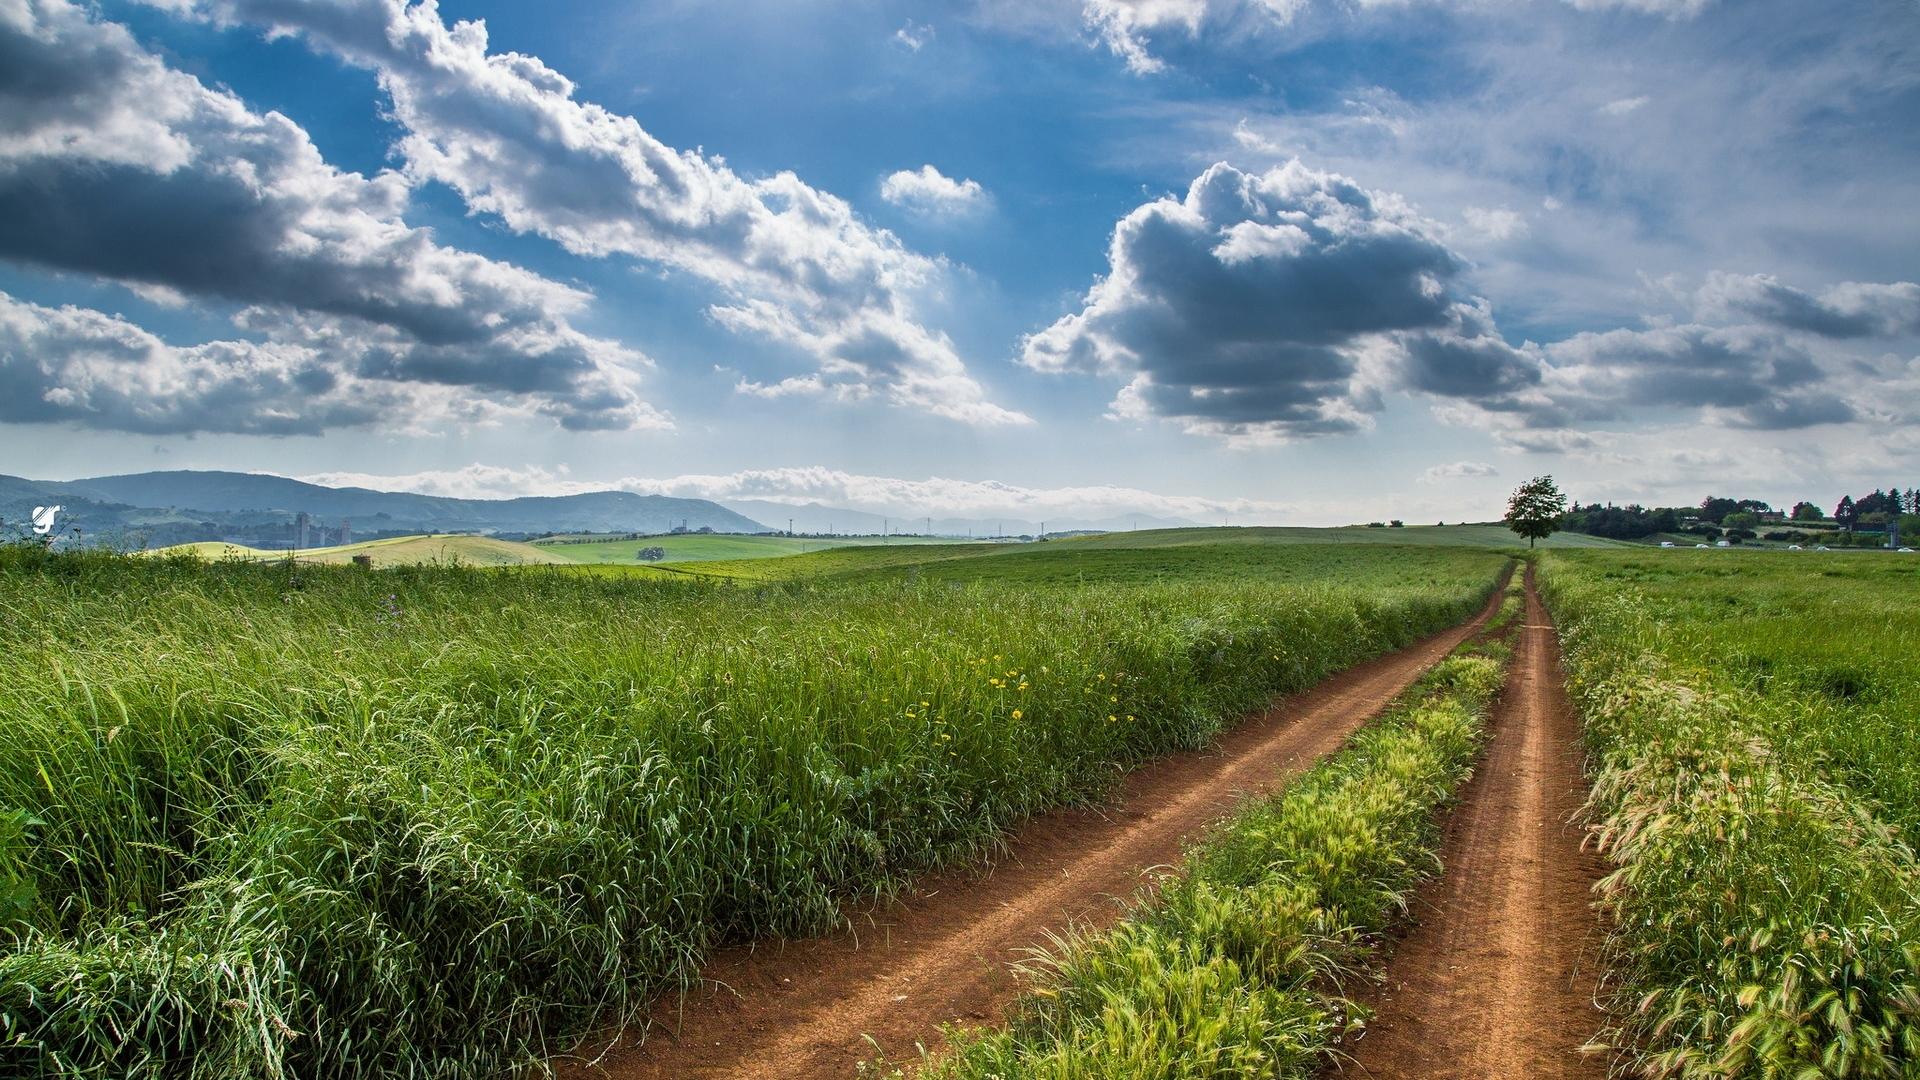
(1183,554)
(703,547)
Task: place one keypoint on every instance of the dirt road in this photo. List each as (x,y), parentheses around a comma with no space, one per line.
(1496,978)
(808,1009)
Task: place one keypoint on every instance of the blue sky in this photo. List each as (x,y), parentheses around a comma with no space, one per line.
(1279,260)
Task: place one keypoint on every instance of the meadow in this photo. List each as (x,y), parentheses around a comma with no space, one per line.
(706,547)
(1238,964)
(263,820)
(1752,725)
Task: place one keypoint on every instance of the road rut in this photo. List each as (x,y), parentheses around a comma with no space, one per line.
(1496,979)
(816,1008)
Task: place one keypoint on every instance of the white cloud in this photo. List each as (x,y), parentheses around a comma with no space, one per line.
(1851,309)
(1622,106)
(914,36)
(817,484)
(1124,26)
(115,165)
(929,192)
(506,132)
(1495,224)
(84,367)
(1263,307)
(1458,470)
(1672,9)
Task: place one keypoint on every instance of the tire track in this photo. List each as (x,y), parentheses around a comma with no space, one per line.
(816,1008)
(1496,978)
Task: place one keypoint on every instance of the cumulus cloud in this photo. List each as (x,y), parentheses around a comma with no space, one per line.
(116,165)
(928,191)
(1848,310)
(505,131)
(1276,306)
(1458,470)
(1125,25)
(1127,28)
(1739,376)
(71,364)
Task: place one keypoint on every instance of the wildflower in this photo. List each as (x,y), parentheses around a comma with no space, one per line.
(1113,699)
(1017,714)
(1023,686)
(924,705)
(1112,719)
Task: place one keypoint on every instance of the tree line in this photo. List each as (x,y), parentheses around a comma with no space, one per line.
(1538,509)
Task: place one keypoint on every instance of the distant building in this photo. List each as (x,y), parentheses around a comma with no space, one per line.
(302,530)
(346,533)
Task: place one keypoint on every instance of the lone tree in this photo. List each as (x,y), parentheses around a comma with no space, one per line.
(651,554)
(1534,511)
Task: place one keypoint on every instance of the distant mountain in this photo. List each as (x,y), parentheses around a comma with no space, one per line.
(819,518)
(158,508)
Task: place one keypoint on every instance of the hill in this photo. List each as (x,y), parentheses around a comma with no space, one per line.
(709,548)
(163,508)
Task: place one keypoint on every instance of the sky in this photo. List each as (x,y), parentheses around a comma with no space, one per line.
(1259,261)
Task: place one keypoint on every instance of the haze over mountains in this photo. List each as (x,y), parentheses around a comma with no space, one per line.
(155,509)
(160,508)
(814,517)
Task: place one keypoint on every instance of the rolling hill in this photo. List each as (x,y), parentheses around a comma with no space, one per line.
(163,508)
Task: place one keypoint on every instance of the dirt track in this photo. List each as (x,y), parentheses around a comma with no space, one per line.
(808,1009)
(1495,980)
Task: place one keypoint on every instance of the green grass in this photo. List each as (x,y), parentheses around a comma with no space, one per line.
(1751,722)
(1234,968)
(1157,554)
(710,548)
(260,820)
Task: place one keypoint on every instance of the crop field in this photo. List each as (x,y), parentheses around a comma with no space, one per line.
(442,550)
(260,820)
(1754,727)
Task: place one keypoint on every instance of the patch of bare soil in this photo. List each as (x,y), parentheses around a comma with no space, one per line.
(1497,978)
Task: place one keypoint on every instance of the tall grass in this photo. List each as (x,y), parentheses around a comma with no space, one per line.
(266,821)
(1765,905)
(1234,969)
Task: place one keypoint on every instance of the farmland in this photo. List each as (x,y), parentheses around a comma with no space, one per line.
(1751,724)
(271,819)
(711,547)
(266,818)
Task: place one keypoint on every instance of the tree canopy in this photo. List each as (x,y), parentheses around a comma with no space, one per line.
(1535,508)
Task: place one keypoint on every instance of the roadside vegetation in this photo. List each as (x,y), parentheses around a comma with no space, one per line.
(265,820)
(1751,729)
(1235,966)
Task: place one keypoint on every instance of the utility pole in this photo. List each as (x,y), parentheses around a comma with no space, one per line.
(789,526)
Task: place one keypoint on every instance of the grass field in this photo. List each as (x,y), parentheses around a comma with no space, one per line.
(1752,722)
(1175,554)
(262,820)
(1237,966)
(711,548)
